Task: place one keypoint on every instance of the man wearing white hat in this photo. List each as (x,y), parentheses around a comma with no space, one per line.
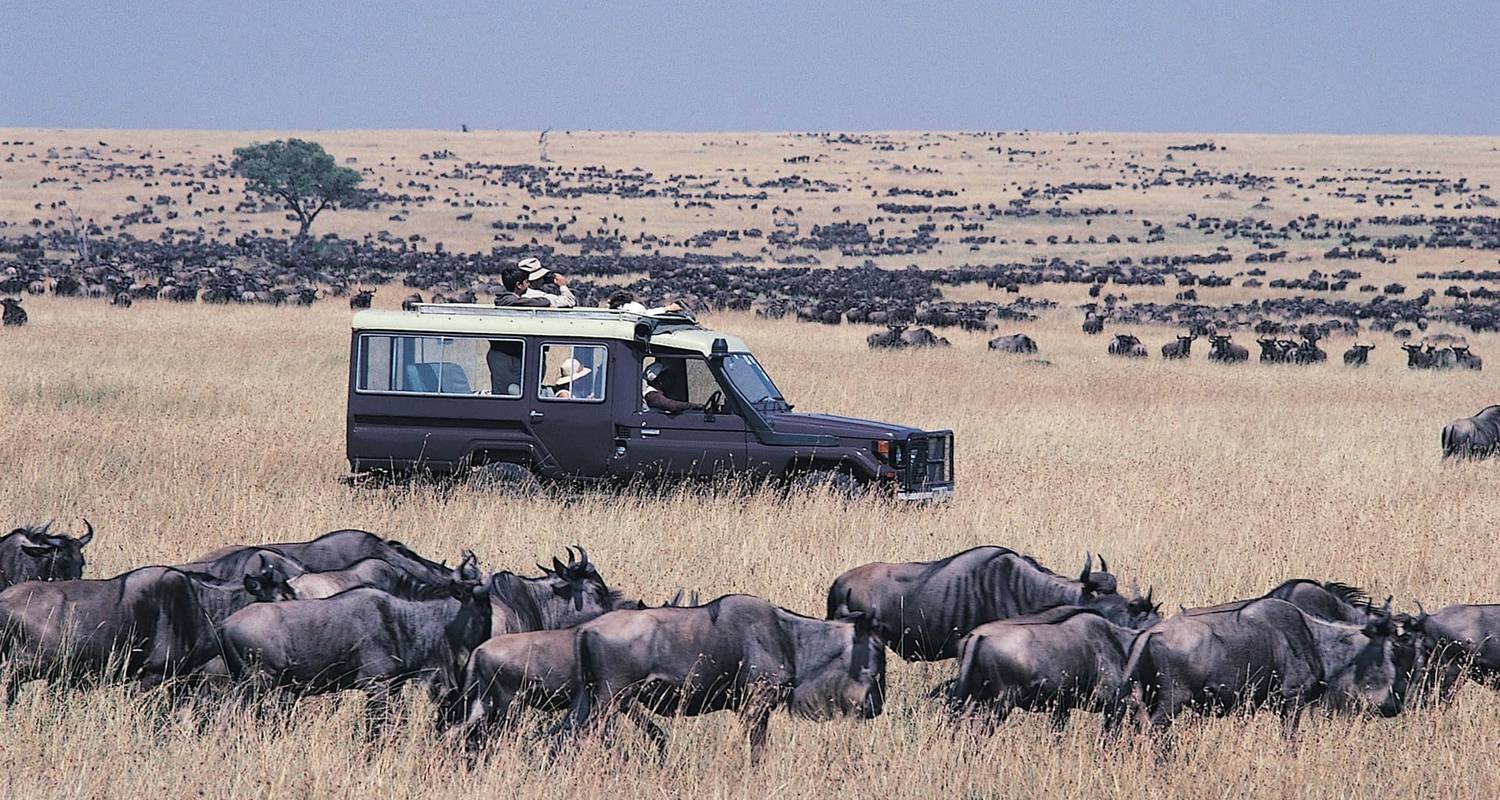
(538,275)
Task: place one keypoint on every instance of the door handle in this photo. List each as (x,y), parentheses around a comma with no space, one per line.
(650,431)
(536,415)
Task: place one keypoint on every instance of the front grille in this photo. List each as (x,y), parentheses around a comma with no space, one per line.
(929,460)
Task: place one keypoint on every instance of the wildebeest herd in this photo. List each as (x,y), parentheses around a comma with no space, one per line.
(350,610)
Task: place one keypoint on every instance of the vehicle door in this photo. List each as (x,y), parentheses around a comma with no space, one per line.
(688,443)
(570,418)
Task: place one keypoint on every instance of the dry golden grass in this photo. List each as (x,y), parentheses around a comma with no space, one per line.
(178,429)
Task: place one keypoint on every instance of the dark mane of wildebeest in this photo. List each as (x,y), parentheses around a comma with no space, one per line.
(536,668)
(34,553)
(142,625)
(1473,437)
(332,551)
(1264,652)
(1058,660)
(735,653)
(923,608)
(362,638)
(1330,600)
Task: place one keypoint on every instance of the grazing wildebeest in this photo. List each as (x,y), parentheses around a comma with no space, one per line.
(1463,358)
(923,608)
(1222,349)
(34,553)
(1473,437)
(736,653)
(12,315)
(922,337)
(888,338)
(375,573)
(1093,324)
(1358,355)
(1058,660)
(362,299)
(1015,343)
(332,551)
(142,625)
(1461,639)
(1182,348)
(1264,652)
(362,639)
(1128,346)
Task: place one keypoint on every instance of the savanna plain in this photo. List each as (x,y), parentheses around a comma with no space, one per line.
(180,428)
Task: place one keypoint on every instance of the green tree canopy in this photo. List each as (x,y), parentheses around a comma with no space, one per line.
(302,174)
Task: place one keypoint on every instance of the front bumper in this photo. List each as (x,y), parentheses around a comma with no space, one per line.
(936,495)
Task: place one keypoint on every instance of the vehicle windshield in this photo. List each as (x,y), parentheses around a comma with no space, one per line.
(753,384)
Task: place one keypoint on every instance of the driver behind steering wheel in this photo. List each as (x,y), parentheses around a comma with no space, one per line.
(655,398)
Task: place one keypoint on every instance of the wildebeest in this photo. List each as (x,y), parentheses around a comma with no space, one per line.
(1222,349)
(121,300)
(890,338)
(362,299)
(1358,355)
(537,668)
(1461,639)
(1276,351)
(34,553)
(1015,343)
(1181,348)
(142,625)
(375,573)
(362,639)
(1058,660)
(1465,359)
(1093,324)
(12,315)
(1264,652)
(411,301)
(1128,346)
(923,608)
(1473,437)
(897,336)
(736,653)
(1308,352)
(1427,356)
(335,550)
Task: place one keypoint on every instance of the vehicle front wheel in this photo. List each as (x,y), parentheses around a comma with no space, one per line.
(504,475)
(833,481)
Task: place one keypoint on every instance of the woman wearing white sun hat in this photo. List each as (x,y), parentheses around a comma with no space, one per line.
(538,275)
(569,372)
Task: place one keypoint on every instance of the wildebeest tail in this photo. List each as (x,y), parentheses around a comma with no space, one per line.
(1140,671)
(838,601)
(961,688)
(1449,446)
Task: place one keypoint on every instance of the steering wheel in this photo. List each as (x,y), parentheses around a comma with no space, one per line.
(715,403)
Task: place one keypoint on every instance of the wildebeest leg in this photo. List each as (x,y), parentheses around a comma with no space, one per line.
(757,719)
(641,717)
(377,709)
(1060,714)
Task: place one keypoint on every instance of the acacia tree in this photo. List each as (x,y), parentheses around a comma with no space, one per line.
(302,174)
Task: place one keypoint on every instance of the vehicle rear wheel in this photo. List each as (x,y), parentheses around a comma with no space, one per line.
(505,475)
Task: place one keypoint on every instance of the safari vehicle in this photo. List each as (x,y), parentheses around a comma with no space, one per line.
(558,393)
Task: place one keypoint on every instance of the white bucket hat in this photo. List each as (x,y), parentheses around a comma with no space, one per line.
(534,269)
(569,371)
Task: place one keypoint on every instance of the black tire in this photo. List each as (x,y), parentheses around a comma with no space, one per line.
(504,475)
(833,481)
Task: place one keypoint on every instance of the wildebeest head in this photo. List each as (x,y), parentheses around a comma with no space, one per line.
(565,595)
(35,553)
(1379,673)
(1098,581)
(1142,611)
(843,675)
(267,582)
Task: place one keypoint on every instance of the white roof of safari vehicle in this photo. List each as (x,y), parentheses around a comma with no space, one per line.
(673,330)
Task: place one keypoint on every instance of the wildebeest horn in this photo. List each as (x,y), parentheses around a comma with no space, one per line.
(583,556)
(572,556)
(88,535)
(1150,593)
(676,598)
(1088,566)
(544,570)
(557,566)
(1103,565)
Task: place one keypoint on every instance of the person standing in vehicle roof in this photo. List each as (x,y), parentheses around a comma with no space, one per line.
(538,276)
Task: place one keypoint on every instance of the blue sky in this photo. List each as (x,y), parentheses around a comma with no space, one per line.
(1338,67)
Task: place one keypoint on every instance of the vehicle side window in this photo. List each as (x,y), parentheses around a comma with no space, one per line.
(572,372)
(440,365)
(687,380)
